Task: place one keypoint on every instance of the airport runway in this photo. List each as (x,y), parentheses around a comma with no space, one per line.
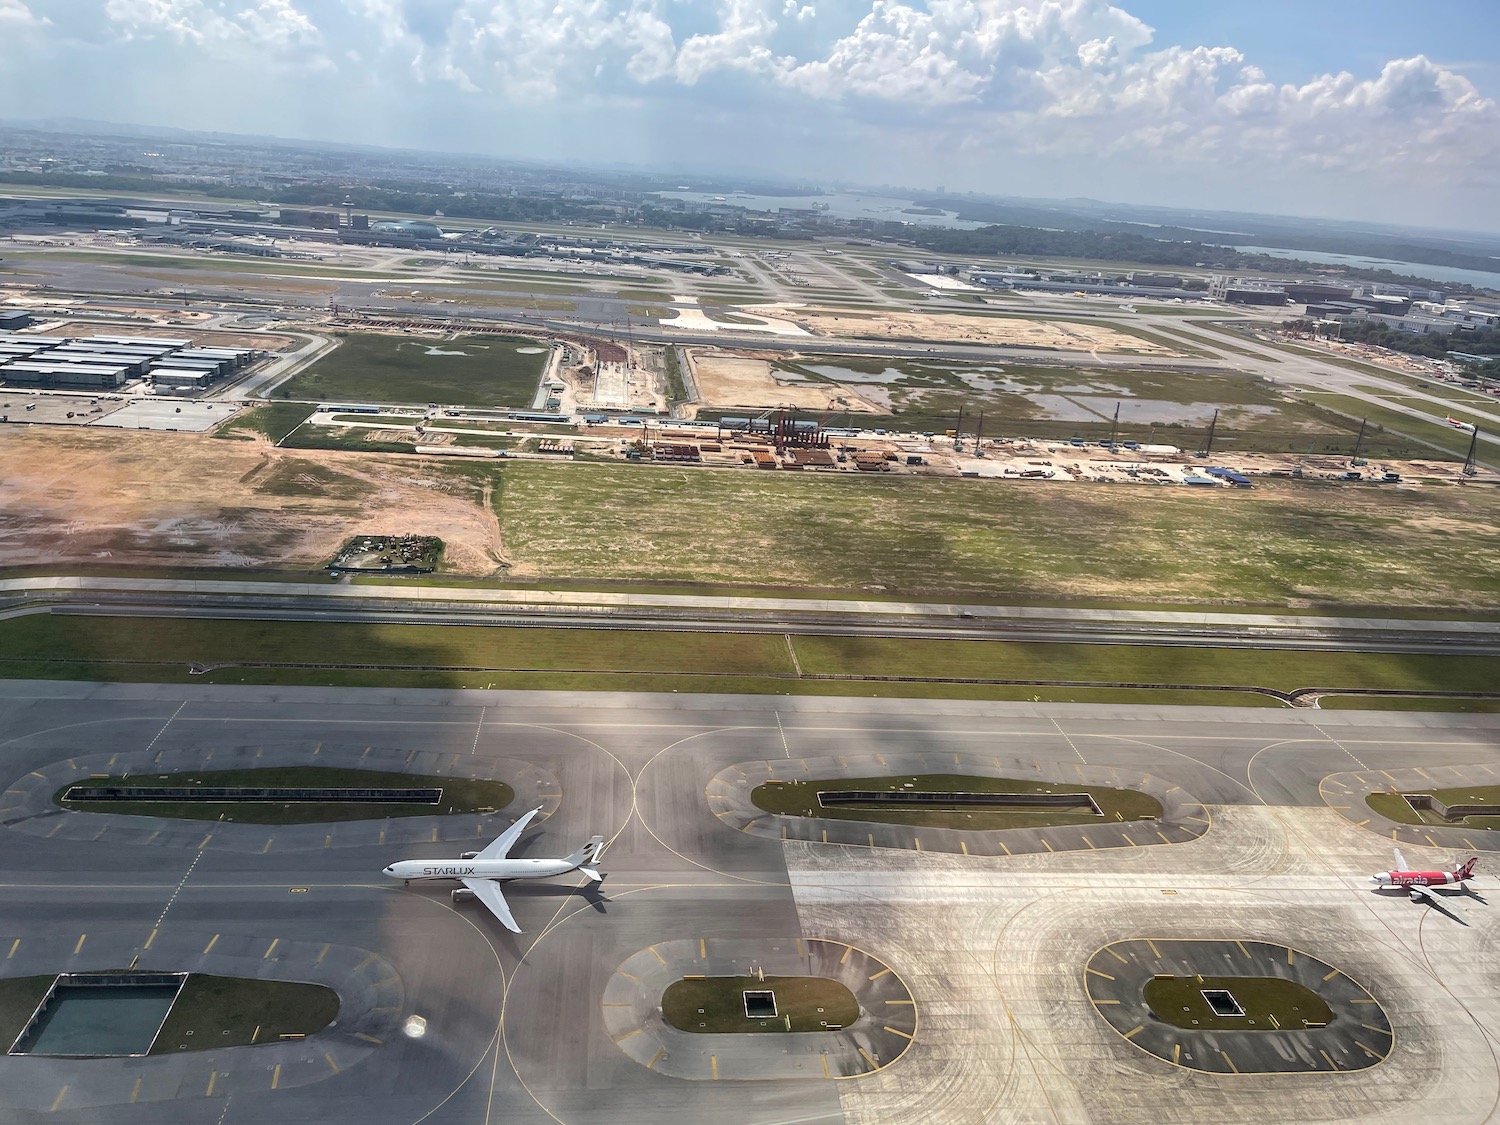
(991,949)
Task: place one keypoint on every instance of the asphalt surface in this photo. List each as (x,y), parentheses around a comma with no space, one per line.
(516,1028)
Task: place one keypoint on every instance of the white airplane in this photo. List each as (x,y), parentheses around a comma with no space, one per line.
(481,872)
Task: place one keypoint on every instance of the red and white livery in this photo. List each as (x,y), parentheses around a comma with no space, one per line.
(1419,884)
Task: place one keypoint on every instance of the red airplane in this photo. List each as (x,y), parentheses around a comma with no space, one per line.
(1418,884)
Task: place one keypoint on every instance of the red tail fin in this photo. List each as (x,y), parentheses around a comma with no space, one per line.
(1467,870)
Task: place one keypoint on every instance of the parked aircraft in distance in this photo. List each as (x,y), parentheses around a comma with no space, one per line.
(481,872)
(1419,884)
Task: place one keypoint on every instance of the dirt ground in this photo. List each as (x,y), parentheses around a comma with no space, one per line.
(178,500)
(734,379)
(264,340)
(957,328)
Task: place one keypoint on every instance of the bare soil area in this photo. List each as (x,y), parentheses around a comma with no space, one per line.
(735,379)
(955,328)
(262,340)
(146,499)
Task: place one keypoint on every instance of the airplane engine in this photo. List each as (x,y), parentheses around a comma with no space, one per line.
(462,896)
(1414,896)
(468,855)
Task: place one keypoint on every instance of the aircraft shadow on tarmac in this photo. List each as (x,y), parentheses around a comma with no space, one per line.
(1438,902)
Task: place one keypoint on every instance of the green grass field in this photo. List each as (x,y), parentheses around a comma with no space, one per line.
(460,795)
(274,420)
(1269,1003)
(19,997)
(800,798)
(213,1012)
(1283,541)
(1394,806)
(362,655)
(365,367)
(716,1006)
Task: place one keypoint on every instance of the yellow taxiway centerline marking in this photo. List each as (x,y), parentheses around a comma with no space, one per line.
(1331,975)
(898,1031)
(657,955)
(703,949)
(1230,1061)
(15,945)
(276,1077)
(627,1035)
(79,947)
(1098,973)
(368,1038)
(656,1058)
(213,941)
(825,1064)
(61,1094)
(866,1055)
(880,974)
(149,939)
(212,1078)
(713,1061)
(266,956)
(329,1056)
(1117,957)
(964,847)
(1326,1058)
(1136,1030)
(135,1091)
(848,949)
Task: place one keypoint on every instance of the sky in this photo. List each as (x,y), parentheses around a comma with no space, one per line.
(1387,110)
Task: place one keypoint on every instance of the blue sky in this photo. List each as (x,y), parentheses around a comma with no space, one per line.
(1384,110)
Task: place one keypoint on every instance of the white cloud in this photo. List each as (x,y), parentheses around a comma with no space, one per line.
(14,14)
(224,28)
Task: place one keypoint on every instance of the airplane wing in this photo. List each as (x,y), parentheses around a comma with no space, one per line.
(500,847)
(1451,909)
(1400,860)
(487,891)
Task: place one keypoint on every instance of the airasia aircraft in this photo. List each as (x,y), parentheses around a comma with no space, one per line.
(1418,884)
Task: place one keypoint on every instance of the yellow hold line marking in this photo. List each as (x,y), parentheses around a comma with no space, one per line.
(1152,945)
(713,1061)
(1104,1001)
(657,955)
(61,1094)
(329,1056)
(1177,1053)
(866,1055)
(629,976)
(213,941)
(1004,848)
(1331,975)
(898,1031)
(135,1091)
(1117,957)
(1372,1027)
(911,1002)
(1331,1064)
(276,1077)
(627,1035)
(149,939)
(880,974)
(212,1078)
(1098,973)
(1136,1030)
(703,948)
(848,949)
(368,1038)
(15,945)
(825,1064)
(964,846)
(79,947)
(656,1058)
(1230,1061)
(266,956)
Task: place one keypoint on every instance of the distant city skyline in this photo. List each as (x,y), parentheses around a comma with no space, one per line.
(1265,106)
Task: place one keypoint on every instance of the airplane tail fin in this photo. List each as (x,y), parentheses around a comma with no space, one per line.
(1467,870)
(587,856)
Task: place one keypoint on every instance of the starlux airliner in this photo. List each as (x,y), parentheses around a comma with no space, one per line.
(481,872)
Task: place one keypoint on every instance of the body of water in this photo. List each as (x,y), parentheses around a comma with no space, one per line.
(1478,278)
(841,205)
